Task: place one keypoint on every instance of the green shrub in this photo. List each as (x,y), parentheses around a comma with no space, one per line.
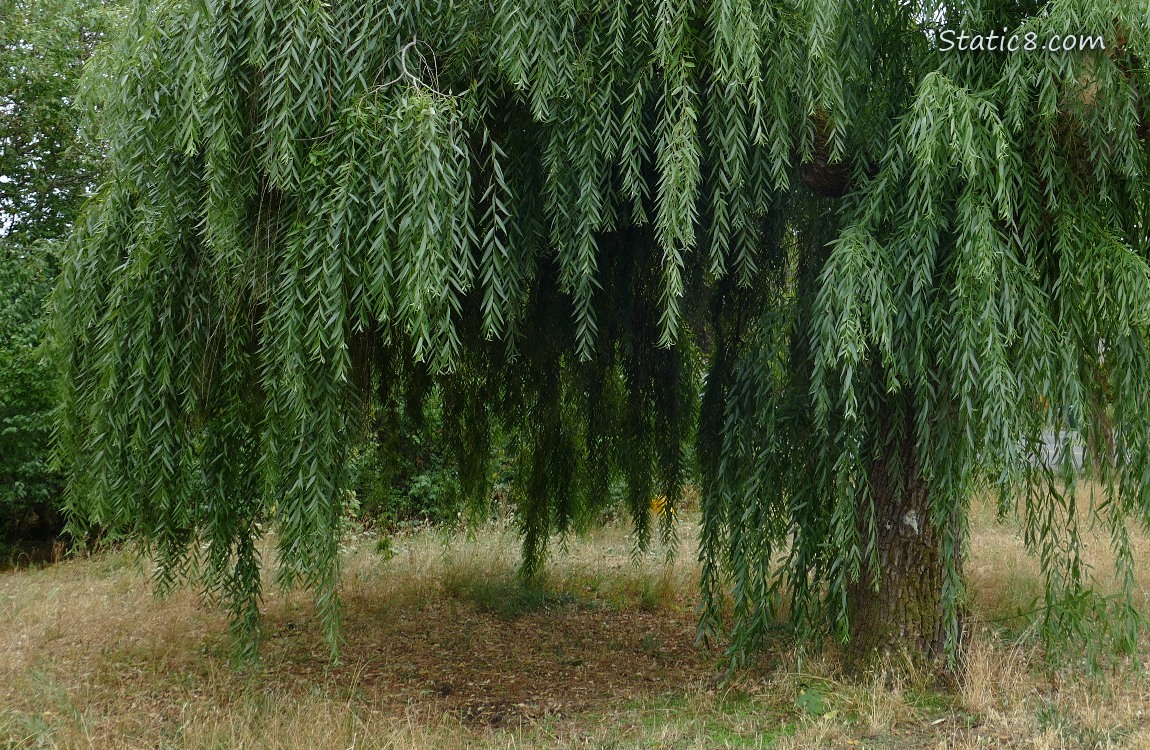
(29,486)
(402,472)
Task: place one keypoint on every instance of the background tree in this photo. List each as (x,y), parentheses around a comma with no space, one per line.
(885,267)
(46,168)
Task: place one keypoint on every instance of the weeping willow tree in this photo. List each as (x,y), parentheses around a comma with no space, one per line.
(888,270)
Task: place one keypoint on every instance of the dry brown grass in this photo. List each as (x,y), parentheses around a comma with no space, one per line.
(1003,578)
(444,650)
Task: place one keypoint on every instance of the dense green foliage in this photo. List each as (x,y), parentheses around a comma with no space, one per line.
(402,474)
(569,218)
(45,171)
(29,487)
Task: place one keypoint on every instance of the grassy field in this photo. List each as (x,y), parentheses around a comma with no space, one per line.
(444,651)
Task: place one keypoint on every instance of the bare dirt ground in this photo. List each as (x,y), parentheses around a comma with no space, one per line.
(448,656)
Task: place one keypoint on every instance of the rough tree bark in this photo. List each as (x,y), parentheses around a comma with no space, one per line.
(898,604)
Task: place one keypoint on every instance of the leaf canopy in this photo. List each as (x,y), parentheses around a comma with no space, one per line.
(571,217)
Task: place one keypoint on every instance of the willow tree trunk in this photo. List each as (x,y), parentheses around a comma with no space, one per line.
(898,604)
